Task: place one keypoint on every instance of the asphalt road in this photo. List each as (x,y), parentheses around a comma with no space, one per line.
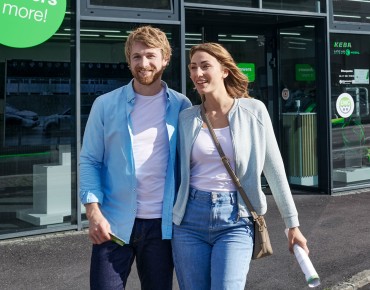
(337,229)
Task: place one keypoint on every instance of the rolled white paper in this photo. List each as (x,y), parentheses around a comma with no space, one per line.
(305,263)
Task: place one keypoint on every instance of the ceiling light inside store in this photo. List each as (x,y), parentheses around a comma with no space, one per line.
(290,33)
(115,36)
(347,16)
(90,35)
(232,40)
(298,38)
(95,30)
(244,36)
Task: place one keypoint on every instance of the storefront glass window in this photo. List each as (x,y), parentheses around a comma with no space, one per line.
(351,11)
(350,62)
(36,155)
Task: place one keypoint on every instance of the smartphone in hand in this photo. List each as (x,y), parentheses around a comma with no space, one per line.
(117,240)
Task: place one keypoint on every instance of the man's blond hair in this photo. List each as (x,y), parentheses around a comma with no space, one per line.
(151,37)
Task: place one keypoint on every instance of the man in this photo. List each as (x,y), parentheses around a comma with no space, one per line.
(127,180)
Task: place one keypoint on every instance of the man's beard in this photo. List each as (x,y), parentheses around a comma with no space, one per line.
(148,79)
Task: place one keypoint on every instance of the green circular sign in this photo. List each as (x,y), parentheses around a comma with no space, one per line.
(26,23)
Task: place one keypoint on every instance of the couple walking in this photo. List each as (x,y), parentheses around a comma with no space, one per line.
(152,178)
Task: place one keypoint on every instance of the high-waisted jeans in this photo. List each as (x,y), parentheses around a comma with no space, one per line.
(212,247)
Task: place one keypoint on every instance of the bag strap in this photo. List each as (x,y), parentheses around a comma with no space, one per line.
(226,162)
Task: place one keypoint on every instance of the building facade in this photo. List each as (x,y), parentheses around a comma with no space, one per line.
(308,61)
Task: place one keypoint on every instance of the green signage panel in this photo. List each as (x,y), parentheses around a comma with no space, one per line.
(304,72)
(26,23)
(248,69)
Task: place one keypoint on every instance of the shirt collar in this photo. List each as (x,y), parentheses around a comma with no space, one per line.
(131,92)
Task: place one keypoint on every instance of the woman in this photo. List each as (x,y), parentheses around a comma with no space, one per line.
(213,233)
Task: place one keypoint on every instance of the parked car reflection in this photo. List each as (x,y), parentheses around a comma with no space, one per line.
(350,142)
(20,118)
(63,124)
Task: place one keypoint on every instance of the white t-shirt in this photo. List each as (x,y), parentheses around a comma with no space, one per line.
(207,172)
(151,151)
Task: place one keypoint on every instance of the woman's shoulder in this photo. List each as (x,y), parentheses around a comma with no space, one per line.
(188,112)
(254,106)
(251,103)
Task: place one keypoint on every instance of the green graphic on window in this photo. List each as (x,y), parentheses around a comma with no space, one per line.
(30,22)
(304,72)
(248,69)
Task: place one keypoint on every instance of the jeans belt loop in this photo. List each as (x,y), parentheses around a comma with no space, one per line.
(193,193)
(214,196)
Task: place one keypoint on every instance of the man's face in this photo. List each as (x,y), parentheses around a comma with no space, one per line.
(147,64)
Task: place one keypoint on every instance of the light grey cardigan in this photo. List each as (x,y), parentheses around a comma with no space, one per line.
(255,150)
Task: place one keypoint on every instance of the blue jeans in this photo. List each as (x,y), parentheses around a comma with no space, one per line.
(212,247)
(111,263)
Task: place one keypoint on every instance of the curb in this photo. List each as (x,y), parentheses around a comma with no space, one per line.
(45,236)
(356,282)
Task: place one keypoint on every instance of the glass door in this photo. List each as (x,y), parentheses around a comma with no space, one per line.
(298,103)
(279,56)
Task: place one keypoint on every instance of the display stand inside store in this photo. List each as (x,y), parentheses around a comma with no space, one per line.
(51,191)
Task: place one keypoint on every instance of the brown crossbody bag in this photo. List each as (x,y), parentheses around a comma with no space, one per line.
(262,246)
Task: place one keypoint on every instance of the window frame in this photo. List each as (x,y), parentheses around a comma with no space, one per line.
(337,26)
(129,14)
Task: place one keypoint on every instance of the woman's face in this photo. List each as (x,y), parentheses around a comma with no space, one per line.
(206,73)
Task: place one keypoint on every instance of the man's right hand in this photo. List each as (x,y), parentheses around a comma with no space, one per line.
(99,228)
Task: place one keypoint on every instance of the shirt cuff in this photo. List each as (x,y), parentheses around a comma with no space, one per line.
(90,197)
(291,222)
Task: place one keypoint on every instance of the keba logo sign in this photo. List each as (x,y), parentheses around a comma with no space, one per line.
(26,23)
(345,105)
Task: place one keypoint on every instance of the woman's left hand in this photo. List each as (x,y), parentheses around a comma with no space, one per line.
(296,237)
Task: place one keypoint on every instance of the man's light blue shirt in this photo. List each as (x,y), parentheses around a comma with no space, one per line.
(107,167)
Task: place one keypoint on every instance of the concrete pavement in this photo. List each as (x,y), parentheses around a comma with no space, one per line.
(337,229)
